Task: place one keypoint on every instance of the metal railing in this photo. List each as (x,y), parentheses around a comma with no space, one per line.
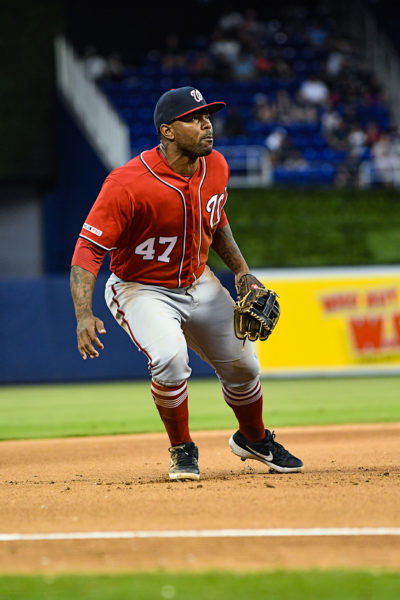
(369,174)
(384,59)
(101,123)
(250,165)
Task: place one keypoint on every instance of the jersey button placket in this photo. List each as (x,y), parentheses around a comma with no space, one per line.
(191,226)
(192,292)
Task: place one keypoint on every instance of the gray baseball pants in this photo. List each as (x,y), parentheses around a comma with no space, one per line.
(164,322)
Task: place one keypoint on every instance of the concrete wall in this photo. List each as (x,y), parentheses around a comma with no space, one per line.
(21,231)
(38,340)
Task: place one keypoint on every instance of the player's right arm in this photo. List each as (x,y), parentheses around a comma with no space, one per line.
(104,224)
(88,326)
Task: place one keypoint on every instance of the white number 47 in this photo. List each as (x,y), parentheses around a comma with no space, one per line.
(147,249)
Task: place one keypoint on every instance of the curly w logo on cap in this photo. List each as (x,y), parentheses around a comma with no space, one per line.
(196,95)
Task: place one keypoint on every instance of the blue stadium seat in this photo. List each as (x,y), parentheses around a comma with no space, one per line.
(310,154)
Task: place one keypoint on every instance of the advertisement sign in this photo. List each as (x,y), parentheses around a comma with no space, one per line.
(333,321)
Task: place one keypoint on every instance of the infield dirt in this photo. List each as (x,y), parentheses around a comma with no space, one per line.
(120,483)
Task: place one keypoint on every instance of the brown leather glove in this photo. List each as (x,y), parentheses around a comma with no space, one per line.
(256,311)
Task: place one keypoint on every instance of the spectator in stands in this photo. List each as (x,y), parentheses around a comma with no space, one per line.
(317,33)
(334,64)
(95,65)
(356,141)
(314,90)
(263,110)
(338,90)
(262,63)
(289,110)
(281,68)
(386,160)
(225,48)
(337,138)
(233,125)
(348,171)
(283,107)
(115,69)
(222,69)
(278,144)
(373,134)
(250,25)
(330,120)
(172,55)
(394,135)
(201,64)
(243,68)
(230,22)
(284,110)
(295,161)
(343,177)
(303,113)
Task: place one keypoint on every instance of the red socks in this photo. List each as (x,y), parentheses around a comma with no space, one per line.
(172,404)
(247,406)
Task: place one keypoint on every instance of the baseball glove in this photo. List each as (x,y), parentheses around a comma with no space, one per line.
(256,311)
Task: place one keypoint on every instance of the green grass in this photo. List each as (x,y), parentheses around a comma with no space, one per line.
(308,585)
(40,411)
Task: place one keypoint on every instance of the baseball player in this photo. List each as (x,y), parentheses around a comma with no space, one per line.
(158,216)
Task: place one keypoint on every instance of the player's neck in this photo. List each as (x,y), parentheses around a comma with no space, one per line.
(182,164)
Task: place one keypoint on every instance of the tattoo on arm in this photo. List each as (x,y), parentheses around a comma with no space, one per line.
(226,247)
(82,286)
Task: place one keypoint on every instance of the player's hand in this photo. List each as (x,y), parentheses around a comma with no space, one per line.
(238,276)
(87,329)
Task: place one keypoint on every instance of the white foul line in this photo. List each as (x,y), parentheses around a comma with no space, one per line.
(200,533)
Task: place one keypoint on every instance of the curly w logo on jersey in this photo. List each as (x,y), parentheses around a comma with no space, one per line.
(214,207)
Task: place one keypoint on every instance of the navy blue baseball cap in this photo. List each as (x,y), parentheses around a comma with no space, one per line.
(179,102)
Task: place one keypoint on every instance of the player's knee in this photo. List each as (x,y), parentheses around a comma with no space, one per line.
(172,366)
(247,374)
(240,373)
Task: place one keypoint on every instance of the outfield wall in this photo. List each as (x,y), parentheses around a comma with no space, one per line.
(333,322)
(38,341)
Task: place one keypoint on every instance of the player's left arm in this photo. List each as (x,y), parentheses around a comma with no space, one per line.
(227,249)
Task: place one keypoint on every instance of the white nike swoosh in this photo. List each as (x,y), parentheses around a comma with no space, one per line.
(269,457)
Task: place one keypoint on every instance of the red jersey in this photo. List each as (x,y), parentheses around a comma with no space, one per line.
(157,225)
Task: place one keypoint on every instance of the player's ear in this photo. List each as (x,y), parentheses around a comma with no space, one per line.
(167,132)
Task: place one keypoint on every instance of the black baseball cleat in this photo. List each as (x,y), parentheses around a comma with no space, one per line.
(268,451)
(184,463)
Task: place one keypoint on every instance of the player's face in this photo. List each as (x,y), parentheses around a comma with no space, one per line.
(194,134)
